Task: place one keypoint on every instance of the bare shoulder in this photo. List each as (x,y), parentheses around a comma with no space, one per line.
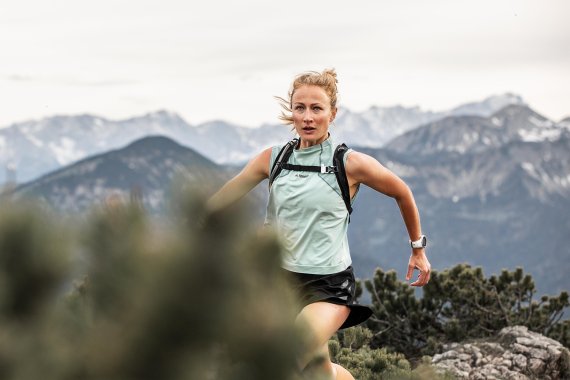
(360,165)
(358,158)
(260,163)
(367,170)
(264,155)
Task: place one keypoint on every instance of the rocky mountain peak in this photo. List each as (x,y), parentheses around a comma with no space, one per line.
(149,165)
(565,122)
(516,112)
(154,142)
(162,118)
(476,133)
(489,105)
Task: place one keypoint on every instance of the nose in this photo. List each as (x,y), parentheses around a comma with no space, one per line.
(307,115)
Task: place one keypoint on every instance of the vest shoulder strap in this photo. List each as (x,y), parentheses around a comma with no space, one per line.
(338,169)
(282,158)
(338,161)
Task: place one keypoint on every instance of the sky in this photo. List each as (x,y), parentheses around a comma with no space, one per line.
(212,60)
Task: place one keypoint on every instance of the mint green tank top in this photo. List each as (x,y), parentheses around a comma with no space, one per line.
(309,214)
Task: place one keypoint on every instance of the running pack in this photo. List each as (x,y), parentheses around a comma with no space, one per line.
(337,168)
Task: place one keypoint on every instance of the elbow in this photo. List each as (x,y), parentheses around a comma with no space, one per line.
(404,194)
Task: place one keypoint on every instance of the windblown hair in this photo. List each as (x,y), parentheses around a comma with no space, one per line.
(326,80)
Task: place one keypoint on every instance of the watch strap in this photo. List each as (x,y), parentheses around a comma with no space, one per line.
(420,243)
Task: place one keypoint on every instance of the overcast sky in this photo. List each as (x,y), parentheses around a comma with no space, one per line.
(226,59)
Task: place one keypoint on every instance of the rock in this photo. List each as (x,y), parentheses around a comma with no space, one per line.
(539,354)
(519,362)
(536,366)
(520,348)
(516,354)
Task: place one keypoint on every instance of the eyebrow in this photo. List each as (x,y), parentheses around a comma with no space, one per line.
(312,104)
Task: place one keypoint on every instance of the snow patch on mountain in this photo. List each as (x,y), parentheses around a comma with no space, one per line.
(536,135)
(562,181)
(34,140)
(66,151)
(543,123)
(496,121)
(530,169)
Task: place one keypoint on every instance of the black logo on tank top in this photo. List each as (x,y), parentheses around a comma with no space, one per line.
(299,175)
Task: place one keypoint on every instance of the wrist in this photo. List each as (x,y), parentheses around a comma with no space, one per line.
(420,243)
(418,251)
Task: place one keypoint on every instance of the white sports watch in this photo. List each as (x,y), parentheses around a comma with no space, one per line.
(420,243)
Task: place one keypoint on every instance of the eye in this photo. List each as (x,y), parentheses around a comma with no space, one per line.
(317,108)
(298,107)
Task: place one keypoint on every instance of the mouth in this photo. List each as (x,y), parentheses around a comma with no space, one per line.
(309,129)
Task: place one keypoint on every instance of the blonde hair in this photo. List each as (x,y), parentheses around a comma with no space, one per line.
(325,80)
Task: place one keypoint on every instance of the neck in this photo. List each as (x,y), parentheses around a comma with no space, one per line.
(309,143)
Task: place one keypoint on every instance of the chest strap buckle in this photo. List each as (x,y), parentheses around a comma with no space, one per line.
(328,169)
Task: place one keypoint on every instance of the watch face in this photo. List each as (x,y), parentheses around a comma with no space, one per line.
(421,243)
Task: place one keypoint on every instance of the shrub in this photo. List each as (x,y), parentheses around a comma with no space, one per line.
(202,299)
(458,304)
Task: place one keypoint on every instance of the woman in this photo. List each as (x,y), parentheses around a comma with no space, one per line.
(311,217)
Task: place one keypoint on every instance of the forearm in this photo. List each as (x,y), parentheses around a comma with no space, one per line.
(410,214)
(418,259)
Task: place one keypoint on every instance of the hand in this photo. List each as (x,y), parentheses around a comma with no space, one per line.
(419,261)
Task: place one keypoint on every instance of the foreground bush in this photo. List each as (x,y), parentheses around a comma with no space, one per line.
(195,301)
(119,296)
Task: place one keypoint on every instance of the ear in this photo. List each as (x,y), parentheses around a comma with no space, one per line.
(333,114)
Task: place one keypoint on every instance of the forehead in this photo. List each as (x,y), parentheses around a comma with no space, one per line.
(310,94)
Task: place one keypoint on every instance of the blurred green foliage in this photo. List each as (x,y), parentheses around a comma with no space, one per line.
(118,295)
(459,304)
(203,299)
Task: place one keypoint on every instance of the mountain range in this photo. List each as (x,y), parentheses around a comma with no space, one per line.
(33,148)
(492,191)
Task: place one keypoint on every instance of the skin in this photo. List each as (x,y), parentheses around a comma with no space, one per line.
(312,115)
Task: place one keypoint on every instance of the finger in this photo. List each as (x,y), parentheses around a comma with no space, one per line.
(410,272)
(426,277)
(417,282)
(422,279)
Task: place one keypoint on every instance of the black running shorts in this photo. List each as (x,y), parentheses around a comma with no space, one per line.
(338,288)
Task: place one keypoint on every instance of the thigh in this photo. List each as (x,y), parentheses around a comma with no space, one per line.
(323,319)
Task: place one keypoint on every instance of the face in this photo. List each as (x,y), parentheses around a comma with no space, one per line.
(312,114)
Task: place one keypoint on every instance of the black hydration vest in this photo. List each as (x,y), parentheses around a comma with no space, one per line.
(337,167)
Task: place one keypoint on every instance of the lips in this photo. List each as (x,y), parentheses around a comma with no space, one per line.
(309,128)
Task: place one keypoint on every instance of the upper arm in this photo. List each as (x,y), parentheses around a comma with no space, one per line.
(257,169)
(361,168)
(252,174)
